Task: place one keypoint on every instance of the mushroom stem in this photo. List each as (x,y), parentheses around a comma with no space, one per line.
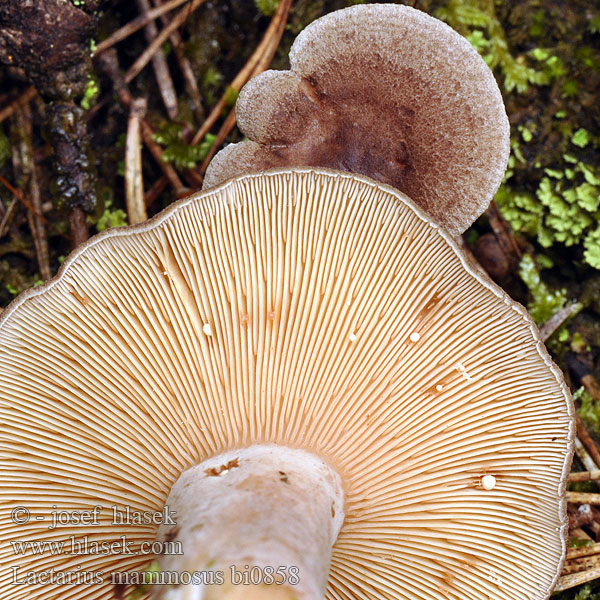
(258,522)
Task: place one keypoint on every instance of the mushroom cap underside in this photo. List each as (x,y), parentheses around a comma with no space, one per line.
(304,308)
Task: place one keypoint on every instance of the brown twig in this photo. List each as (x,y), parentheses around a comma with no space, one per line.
(159,63)
(17,194)
(591,386)
(27,96)
(579,516)
(108,62)
(262,64)
(178,20)
(583,563)
(134,184)
(25,169)
(584,551)
(585,476)
(185,66)
(557,319)
(78,227)
(135,25)
(156,152)
(569,581)
(262,55)
(226,128)
(586,439)
(263,61)
(583,498)
(580,534)
(155,191)
(258,62)
(8,216)
(588,462)
(594,525)
(503,234)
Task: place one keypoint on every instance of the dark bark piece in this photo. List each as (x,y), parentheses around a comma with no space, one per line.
(50,41)
(74,166)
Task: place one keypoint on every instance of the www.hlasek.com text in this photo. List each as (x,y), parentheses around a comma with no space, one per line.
(83,546)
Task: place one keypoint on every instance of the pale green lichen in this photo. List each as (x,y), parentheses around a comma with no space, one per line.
(565,208)
(91,93)
(176,151)
(588,410)
(544,302)
(581,138)
(581,595)
(592,248)
(231,96)
(210,84)
(543,196)
(111,217)
(267,7)
(5,148)
(477,20)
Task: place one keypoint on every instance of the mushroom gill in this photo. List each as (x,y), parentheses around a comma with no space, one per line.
(296,313)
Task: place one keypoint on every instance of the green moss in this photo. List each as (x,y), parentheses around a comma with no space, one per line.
(267,7)
(478,22)
(169,133)
(582,486)
(579,543)
(231,96)
(210,84)
(182,155)
(14,281)
(526,132)
(579,343)
(5,148)
(521,210)
(571,89)
(111,217)
(586,592)
(591,245)
(551,191)
(538,25)
(588,57)
(581,138)
(91,93)
(544,303)
(588,410)
(565,208)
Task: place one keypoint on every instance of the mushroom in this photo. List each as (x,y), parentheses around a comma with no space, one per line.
(294,381)
(385,91)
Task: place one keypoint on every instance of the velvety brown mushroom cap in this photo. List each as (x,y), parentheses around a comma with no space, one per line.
(308,309)
(388,92)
